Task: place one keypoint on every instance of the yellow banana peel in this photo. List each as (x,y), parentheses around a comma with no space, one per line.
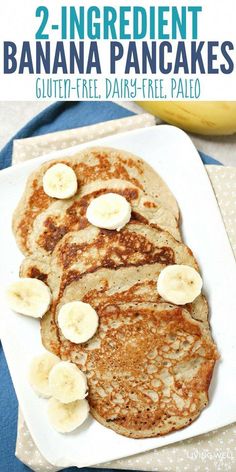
(209,118)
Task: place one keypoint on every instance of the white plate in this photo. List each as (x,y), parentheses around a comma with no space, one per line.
(173,155)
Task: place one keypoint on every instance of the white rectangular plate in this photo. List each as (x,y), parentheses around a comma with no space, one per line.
(174,157)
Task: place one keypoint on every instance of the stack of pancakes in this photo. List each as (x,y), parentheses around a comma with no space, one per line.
(150,363)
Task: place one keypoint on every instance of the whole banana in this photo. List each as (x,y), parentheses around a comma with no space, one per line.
(210,118)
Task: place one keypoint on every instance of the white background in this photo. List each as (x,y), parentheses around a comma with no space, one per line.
(18,23)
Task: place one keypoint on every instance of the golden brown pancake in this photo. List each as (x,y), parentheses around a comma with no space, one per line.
(92,248)
(109,286)
(150,363)
(87,251)
(63,216)
(89,165)
(148,367)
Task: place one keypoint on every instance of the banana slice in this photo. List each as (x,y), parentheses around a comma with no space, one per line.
(109,211)
(65,418)
(67,382)
(78,321)
(179,284)
(29,297)
(39,371)
(60,181)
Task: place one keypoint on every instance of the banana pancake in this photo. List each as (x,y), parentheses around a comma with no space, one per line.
(150,362)
(129,284)
(63,216)
(108,286)
(89,165)
(92,248)
(148,367)
(88,250)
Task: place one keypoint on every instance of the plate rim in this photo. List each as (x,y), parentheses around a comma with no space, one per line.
(36,161)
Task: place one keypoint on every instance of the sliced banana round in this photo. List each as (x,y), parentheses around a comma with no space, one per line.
(78,321)
(39,371)
(109,211)
(30,297)
(179,284)
(67,382)
(65,418)
(60,181)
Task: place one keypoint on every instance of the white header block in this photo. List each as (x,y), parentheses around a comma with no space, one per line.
(57,51)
